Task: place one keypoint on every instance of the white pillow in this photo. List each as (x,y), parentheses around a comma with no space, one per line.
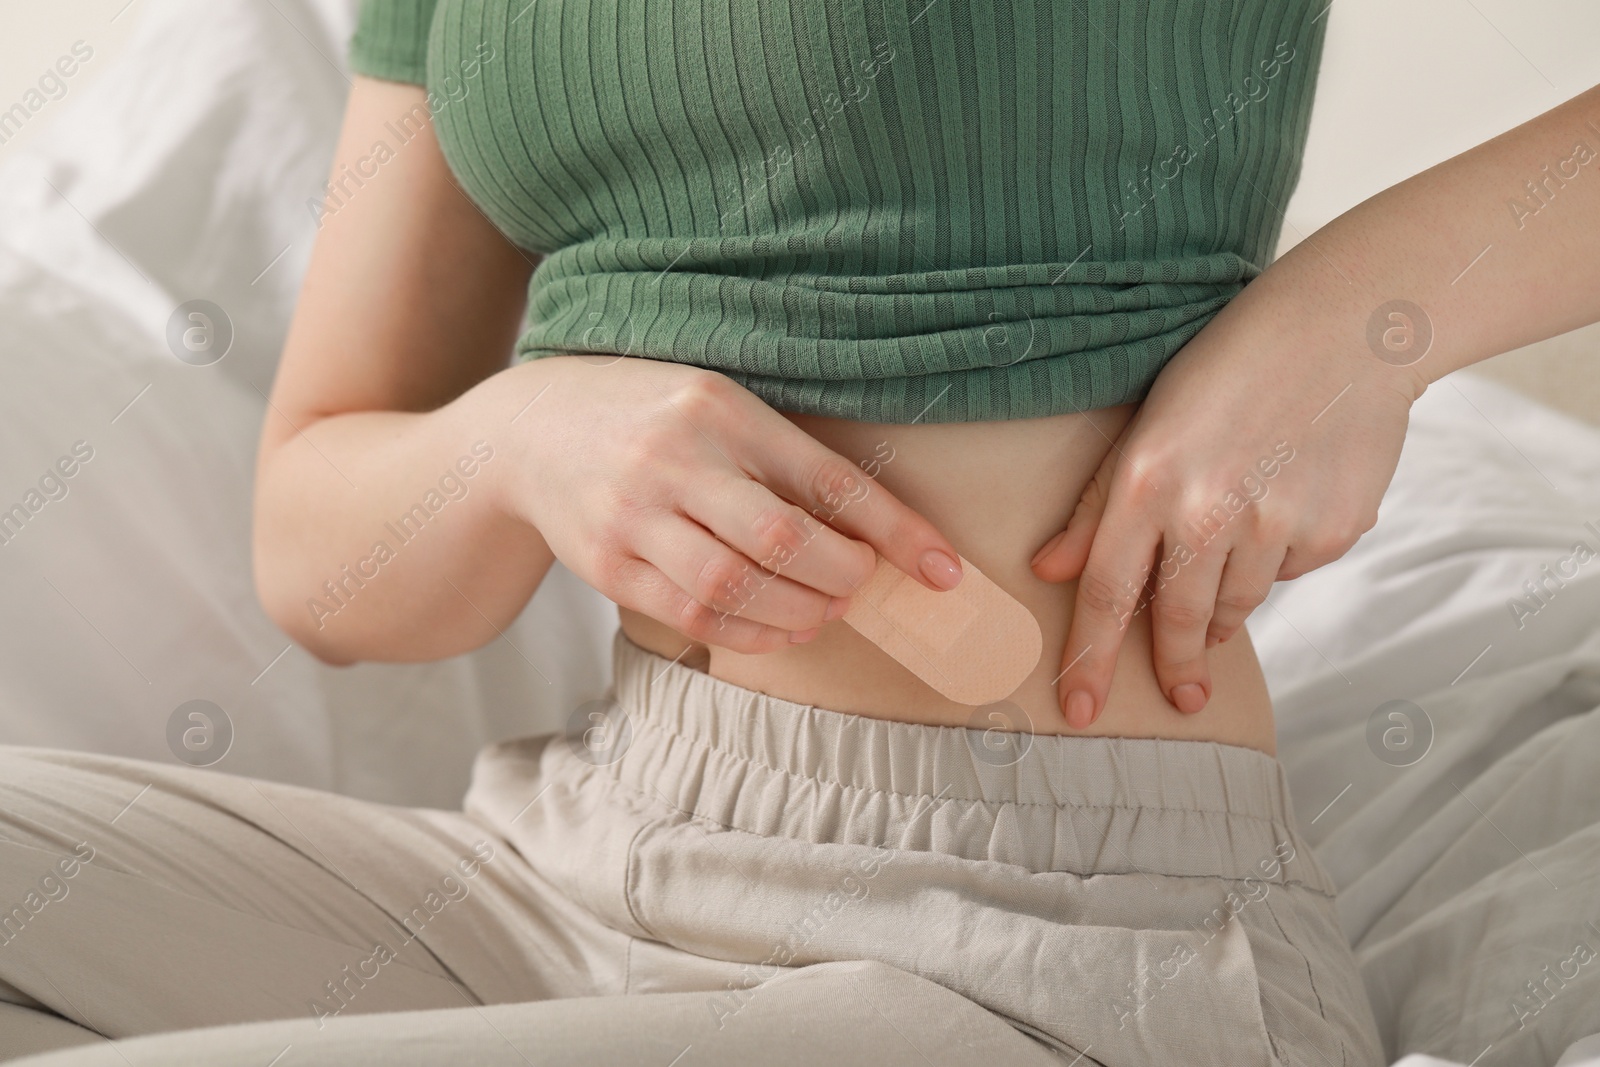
(183,172)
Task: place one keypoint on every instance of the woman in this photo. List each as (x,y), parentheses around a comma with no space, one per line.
(820,284)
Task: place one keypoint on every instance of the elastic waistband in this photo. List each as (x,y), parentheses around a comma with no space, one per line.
(1086,805)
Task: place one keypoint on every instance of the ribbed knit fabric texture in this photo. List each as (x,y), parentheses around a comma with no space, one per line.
(881,210)
(391,40)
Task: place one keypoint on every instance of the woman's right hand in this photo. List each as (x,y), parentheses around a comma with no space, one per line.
(679,494)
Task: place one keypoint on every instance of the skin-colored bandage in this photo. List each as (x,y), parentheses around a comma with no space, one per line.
(974,644)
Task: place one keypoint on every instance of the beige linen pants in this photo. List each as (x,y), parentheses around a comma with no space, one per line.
(706,875)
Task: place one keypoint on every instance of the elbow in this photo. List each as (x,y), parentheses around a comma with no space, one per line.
(279,586)
(297,624)
(329,657)
(303,619)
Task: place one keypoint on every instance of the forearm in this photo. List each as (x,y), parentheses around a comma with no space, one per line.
(384,535)
(1319,360)
(1496,246)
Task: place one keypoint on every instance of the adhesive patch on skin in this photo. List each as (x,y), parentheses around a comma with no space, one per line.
(974,644)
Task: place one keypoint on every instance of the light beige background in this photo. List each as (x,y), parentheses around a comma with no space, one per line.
(35,33)
(1403,86)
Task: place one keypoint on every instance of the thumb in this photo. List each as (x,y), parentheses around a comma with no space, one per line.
(1063,557)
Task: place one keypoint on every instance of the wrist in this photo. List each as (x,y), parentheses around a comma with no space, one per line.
(1308,307)
(508,411)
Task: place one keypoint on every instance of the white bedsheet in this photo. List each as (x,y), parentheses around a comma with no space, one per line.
(1466,873)
(185,172)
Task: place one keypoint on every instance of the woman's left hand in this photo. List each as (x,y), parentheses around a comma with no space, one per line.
(1260,453)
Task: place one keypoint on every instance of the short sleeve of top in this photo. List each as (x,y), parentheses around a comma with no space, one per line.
(391,40)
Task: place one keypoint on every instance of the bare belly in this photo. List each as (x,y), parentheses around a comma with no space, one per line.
(997,490)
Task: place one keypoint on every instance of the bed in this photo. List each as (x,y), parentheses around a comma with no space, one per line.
(1438,689)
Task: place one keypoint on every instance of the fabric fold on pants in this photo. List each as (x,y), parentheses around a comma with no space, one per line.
(1148,899)
(705,867)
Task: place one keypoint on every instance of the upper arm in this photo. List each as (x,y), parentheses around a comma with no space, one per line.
(412,297)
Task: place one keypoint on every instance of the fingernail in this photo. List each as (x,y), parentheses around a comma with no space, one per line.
(836,608)
(940,569)
(1080,710)
(1188,697)
(1049,547)
(800,637)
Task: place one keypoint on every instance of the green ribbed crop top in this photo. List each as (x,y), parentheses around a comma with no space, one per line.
(881,210)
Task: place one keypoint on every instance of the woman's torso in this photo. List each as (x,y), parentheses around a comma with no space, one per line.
(998,491)
(963,213)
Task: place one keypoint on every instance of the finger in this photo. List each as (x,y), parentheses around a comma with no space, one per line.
(1246,581)
(642,587)
(1307,555)
(780,537)
(1064,556)
(1107,596)
(835,491)
(728,582)
(1180,610)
